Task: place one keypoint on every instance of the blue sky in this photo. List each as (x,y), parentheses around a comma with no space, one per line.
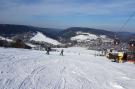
(103,14)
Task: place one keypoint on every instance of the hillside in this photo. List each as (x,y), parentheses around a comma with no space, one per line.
(84,36)
(70,32)
(3,38)
(26,32)
(40,37)
(9,30)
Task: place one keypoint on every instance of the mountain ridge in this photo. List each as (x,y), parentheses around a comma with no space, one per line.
(9,30)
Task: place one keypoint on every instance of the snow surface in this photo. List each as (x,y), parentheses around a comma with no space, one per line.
(40,37)
(31,45)
(84,36)
(77,69)
(3,38)
(103,36)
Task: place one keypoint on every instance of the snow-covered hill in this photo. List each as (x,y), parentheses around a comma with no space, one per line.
(3,38)
(83,37)
(40,37)
(77,69)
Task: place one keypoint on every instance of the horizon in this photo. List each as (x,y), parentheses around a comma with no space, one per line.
(108,15)
(62,29)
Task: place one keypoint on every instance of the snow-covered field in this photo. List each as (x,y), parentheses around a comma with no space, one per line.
(77,69)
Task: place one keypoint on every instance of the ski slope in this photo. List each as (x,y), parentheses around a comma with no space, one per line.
(40,37)
(77,69)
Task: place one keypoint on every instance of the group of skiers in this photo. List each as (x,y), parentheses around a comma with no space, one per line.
(48,49)
(117,56)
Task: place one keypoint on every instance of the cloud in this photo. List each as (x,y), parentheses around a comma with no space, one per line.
(62,7)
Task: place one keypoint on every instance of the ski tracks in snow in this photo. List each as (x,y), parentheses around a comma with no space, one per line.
(71,71)
(85,83)
(61,84)
(29,81)
(43,74)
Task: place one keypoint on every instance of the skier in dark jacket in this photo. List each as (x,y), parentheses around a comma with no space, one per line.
(125,57)
(48,49)
(61,53)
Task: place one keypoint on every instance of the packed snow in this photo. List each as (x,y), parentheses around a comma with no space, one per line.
(79,68)
(40,37)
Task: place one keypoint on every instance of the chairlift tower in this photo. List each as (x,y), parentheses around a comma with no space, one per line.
(116,43)
(131,51)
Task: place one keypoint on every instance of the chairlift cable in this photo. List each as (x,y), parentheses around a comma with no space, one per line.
(117,40)
(128,19)
(125,23)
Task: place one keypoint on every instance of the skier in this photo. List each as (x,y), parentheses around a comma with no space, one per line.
(48,50)
(119,57)
(61,53)
(124,57)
